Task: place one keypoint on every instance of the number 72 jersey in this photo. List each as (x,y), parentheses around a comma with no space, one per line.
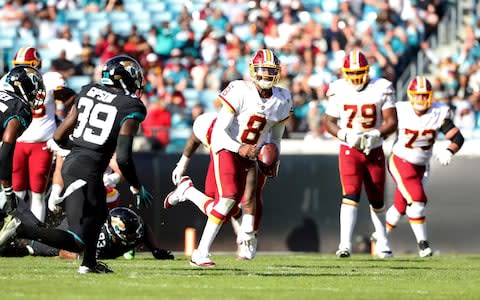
(417,134)
(102,111)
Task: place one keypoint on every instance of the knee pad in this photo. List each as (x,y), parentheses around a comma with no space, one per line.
(416,210)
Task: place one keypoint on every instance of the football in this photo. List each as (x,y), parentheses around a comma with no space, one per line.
(268,158)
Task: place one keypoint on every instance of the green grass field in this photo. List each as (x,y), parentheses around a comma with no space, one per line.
(294,276)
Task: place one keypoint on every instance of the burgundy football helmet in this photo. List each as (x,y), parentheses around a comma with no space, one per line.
(264,68)
(355,69)
(27,56)
(420,93)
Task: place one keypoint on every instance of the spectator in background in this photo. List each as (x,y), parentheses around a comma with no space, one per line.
(157,124)
(85,67)
(107,47)
(63,65)
(65,42)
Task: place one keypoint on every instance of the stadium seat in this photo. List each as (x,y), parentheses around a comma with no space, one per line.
(178,139)
(76,82)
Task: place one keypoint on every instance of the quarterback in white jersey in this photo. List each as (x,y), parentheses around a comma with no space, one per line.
(251,110)
(361,112)
(419,122)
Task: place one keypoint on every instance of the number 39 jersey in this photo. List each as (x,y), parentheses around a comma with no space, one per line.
(417,134)
(102,111)
(359,111)
(254,116)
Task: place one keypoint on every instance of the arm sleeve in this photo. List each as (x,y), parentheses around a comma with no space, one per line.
(125,160)
(220,137)
(277,134)
(6,160)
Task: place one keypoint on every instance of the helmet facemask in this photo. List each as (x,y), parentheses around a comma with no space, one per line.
(420,94)
(355,69)
(27,83)
(265,69)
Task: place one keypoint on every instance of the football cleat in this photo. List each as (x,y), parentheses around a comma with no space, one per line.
(201,260)
(173,198)
(247,250)
(382,248)
(99,268)
(424,249)
(9,228)
(343,253)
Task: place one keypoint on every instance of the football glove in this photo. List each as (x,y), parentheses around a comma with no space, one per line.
(143,198)
(369,140)
(353,139)
(180,169)
(444,156)
(54,147)
(111,180)
(53,202)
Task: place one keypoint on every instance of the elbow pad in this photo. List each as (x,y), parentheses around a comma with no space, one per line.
(6,160)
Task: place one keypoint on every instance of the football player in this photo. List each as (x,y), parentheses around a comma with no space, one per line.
(31,160)
(22,91)
(122,232)
(104,118)
(250,110)
(361,113)
(419,122)
(251,206)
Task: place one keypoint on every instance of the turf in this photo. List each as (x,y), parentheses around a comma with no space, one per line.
(281,276)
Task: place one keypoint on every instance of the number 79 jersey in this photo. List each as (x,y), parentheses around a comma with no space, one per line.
(254,116)
(102,111)
(359,111)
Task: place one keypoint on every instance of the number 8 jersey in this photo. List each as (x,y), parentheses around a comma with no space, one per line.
(254,116)
(102,111)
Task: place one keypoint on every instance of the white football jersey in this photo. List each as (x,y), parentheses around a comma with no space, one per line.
(254,116)
(202,125)
(360,111)
(43,122)
(417,134)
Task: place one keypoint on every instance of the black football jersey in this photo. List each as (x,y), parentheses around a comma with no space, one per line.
(102,111)
(108,248)
(11,106)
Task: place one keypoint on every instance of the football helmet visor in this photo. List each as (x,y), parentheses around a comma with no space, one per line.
(125,73)
(355,69)
(27,56)
(27,83)
(419,93)
(264,68)
(125,225)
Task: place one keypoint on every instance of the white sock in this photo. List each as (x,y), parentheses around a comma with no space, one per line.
(378,219)
(208,236)
(37,206)
(348,219)
(199,199)
(392,218)
(416,216)
(20,194)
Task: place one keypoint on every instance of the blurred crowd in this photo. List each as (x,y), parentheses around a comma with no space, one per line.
(191,49)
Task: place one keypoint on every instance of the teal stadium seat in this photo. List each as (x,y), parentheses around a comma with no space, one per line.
(178,139)
(76,82)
